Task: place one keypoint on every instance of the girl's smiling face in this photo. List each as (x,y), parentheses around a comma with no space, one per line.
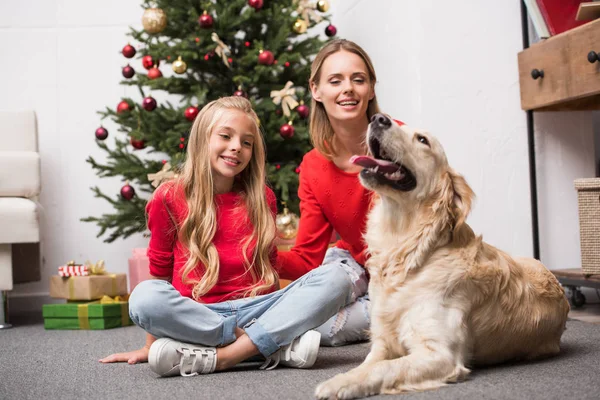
(231,143)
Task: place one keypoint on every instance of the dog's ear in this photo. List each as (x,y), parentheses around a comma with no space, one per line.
(461,199)
(448,210)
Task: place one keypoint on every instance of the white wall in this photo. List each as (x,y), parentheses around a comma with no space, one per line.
(449,67)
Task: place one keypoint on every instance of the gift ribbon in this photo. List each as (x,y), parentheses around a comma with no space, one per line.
(164,174)
(82,316)
(285,96)
(307,11)
(222,49)
(83,313)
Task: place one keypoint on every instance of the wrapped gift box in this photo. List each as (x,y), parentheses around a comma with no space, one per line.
(91,315)
(90,287)
(139,268)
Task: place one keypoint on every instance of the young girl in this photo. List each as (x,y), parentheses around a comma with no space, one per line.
(342,83)
(212,232)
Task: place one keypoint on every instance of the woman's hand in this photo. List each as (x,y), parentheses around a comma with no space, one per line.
(131,357)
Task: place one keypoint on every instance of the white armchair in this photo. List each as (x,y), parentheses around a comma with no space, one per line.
(20,183)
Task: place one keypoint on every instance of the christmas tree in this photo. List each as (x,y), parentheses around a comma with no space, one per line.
(197,52)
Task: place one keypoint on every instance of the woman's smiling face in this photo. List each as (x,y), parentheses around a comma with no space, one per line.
(344,87)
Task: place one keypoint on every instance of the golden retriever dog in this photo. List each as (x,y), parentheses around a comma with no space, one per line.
(441,298)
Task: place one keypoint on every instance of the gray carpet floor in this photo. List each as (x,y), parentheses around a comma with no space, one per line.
(40,364)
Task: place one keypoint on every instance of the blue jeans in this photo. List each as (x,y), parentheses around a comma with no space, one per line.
(270,321)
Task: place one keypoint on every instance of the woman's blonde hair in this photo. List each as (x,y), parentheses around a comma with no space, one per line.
(198,229)
(321,131)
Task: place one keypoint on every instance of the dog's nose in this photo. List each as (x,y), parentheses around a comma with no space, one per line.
(381,120)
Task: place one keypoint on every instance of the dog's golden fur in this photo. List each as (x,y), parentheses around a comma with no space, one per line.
(441,298)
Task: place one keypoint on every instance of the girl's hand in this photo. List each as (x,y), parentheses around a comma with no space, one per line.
(131,357)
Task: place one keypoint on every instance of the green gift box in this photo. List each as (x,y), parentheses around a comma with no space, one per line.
(89,315)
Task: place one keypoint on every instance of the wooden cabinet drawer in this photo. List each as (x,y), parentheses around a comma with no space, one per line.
(585,76)
(570,81)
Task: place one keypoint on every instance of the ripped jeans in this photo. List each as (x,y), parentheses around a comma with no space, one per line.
(351,323)
(271,321)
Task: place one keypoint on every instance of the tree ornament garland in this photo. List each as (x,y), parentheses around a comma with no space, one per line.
(148,62)
(205,20)
(101,133)
(128,51)
(265,57)
(154,20)
(300,26)
(331,30)
(154,73)
(191,113)
(149,104)
(179,66)
(137,144)
(287,130)
(256,4)
(323,5)
(123,106)
(127,191)
(127,71)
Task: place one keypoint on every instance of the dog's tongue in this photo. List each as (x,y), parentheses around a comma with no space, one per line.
(370,162)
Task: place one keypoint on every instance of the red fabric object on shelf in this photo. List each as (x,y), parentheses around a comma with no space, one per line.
(560,14)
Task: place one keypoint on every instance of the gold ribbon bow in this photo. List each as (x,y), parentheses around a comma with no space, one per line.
(95,269)
(287,98)
(222,49)
(306,9)
(164,174)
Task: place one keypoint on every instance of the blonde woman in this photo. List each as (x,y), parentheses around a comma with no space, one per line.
(212,245)
(342,83)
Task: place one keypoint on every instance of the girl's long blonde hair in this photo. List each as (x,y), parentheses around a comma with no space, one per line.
(321,131)
(197,230)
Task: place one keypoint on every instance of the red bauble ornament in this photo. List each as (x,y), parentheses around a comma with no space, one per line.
(148,62)
(128,72)
(101,133)
(266,57)
(330,30)
(128,51)
(256,4)
(205,21)
(191,112)
(154,73)
(149,103)
(286,131)
(137,143)
(240,93)
(123,107)
(127,192)
(303,110)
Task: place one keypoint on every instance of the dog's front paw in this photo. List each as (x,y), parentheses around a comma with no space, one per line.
(338,388)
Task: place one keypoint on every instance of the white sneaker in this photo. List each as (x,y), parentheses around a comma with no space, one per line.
(300,353)
(168,357)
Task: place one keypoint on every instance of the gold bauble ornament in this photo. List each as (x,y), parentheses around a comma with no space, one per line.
(300,26)
(154,20)
(323,5)
(179,66)
(287,224)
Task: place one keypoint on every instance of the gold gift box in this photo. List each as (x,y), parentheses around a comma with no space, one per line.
(91,287)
